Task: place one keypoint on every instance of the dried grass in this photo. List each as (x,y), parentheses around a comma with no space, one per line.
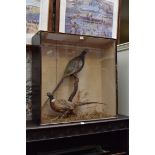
(74,118)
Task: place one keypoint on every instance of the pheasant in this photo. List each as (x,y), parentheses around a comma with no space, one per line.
(62,106)
(65,107)
(74,66)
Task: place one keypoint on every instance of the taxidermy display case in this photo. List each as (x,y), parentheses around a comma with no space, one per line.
(73,78)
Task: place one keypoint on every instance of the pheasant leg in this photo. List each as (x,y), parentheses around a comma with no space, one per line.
(64,114)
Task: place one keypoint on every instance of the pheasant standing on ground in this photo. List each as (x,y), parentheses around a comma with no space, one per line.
(74,66)
(62,106)
(65,107)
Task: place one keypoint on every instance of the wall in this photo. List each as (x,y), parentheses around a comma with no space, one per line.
(123,78)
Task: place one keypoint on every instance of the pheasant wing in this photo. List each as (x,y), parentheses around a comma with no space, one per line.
(72,67)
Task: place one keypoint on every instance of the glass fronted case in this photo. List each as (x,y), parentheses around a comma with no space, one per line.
(73,78)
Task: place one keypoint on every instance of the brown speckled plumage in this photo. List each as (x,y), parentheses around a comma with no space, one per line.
(74,66)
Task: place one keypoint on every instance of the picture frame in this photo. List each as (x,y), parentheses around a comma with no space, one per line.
(79,17)
(38,13)
(51,16)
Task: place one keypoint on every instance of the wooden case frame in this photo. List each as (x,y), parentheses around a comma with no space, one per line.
(37,40)
(34,80)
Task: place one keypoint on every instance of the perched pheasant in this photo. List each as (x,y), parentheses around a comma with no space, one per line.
(74,66)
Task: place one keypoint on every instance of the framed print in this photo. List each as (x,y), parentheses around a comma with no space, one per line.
(89,17)
(36,17)
(28,82)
